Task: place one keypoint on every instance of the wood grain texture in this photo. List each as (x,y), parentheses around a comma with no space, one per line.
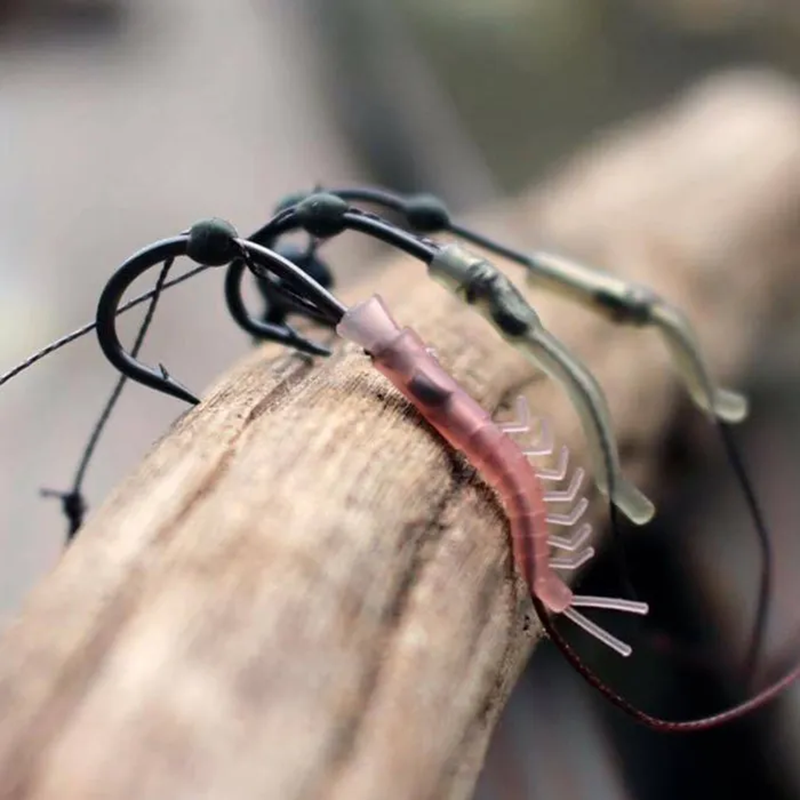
(301,593)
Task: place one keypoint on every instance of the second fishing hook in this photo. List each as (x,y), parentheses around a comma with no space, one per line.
(214,243)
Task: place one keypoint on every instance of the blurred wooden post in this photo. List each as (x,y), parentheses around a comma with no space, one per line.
(301,592)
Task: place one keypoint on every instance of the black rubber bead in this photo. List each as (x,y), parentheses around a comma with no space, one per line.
(427,214)
(322,215)
(211,242)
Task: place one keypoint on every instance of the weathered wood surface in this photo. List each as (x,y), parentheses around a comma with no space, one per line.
(301,592)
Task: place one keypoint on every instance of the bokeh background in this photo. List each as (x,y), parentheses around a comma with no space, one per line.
(123,121)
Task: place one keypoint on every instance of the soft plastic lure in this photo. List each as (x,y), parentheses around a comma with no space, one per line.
(409,364)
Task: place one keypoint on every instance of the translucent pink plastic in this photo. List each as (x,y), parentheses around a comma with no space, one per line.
(405,360)
(411,366)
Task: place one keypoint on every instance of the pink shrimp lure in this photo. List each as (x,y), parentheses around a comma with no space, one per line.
(402,356)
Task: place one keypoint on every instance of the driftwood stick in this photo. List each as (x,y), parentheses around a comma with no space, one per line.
(301,592)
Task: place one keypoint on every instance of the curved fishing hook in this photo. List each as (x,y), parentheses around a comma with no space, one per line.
(322,216)
(212,243)
(108,303)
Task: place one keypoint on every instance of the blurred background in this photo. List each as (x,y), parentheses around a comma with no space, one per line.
(123,121)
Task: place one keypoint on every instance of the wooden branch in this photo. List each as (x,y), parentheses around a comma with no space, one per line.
(301,592)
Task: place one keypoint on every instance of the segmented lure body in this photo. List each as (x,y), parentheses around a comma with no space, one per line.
(405,360)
